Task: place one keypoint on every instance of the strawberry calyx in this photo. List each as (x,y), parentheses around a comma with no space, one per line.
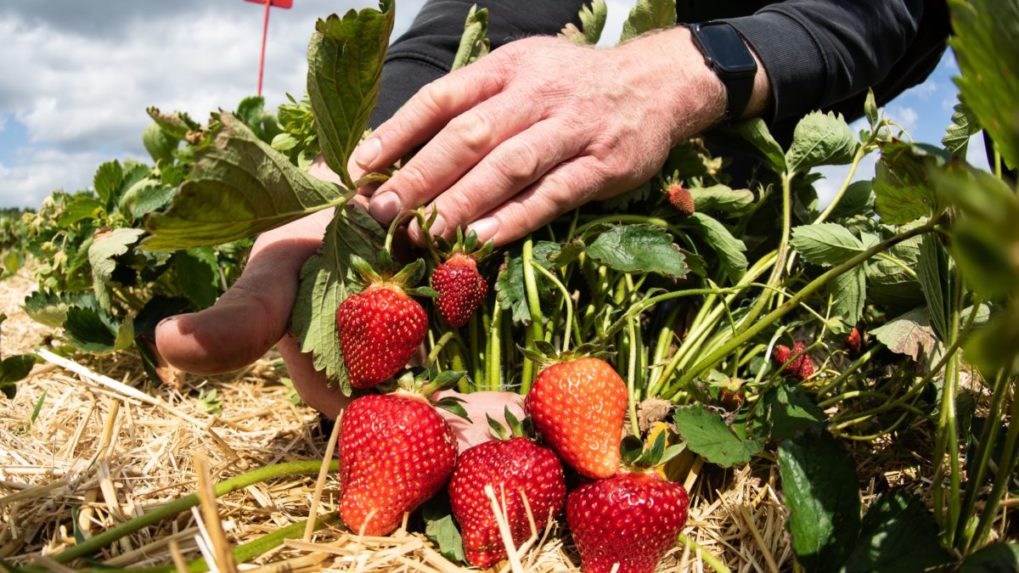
(639,459)
(516,428)
(543,354)
(426,384)
(390,276)
(464,245)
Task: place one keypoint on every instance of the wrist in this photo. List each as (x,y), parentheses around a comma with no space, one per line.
(693,99)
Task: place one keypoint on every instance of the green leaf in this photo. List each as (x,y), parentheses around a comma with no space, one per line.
(857,200)
(107,181)
(49,308)
(592,22)
(992,347)
(197,276)
(326,282)
(964,126)
(849,291)
(13,369)
(909,334)
(441,529)
(38,407)
(790,412)
(984,46)
(728,248)
(649,15)
(901,188)
(820,489)
(344,70)
(936,283)
(509,286)
(79,207)
(888,282)
(144,197)
(820,139)
(91,330)
(106,246)
(1000,557)
(474,42)
(899,535)
(239,187)
(722,200)
(159,143)
(639,249)
(176,124)
(753,136)
(826,244)
(707,434)
(870,109)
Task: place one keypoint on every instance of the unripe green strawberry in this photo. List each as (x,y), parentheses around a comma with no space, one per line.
(681,199)
(579,406)
(631,519)
(513,468)
(461,288)
(380,329)
(396,451)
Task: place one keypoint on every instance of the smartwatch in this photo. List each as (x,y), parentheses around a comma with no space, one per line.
(730,58)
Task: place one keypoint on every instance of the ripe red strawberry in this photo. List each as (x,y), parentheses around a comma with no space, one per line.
(461,288)
(800,368)
(380,329)
(514,468)
(395,453)
(579,406)
(681,199)
(631,519)
(855,340)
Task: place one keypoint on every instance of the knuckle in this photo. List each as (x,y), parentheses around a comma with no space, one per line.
(410,181)
(519,163)
(436,96)
(472,130)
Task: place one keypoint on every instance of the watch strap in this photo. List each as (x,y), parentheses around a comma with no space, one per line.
(739,87)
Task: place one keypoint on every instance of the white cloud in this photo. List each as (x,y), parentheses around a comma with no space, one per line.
(903,115)
(81,91)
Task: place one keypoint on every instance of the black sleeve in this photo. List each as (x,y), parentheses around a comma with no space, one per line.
(425,52)
(818,53)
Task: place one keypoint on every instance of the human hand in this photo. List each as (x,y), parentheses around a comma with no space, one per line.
(480,405)
(539,127)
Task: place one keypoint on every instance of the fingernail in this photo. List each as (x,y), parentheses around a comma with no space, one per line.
(386,207)
(367,152)
(485,228)
(438,226)
(166,321)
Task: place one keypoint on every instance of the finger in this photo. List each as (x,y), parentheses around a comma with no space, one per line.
(564,187)
(312,385)
(509,169)
(253,314)
(431,108)
(479,406)
(460,145)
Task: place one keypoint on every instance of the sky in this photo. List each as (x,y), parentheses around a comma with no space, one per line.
(77,75)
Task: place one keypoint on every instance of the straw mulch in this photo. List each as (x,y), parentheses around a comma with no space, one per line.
(96,456)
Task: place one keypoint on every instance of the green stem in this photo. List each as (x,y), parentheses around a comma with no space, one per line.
(985,449)
(631,377)
(706,557)
(861,152)
(472,336)
(307,467)
(1001,480)
(756,327)
(493,362)
(533,305)
(612,219)
(566,299)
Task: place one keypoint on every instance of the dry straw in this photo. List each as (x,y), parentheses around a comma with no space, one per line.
(108,446)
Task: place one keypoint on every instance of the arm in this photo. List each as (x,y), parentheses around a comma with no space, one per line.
(819,53)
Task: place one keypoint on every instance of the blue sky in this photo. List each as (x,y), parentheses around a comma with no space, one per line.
(77,76)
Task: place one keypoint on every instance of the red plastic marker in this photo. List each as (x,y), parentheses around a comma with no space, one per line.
(286,5)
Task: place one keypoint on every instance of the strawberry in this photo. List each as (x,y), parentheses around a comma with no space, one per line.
(631,518)
(514,468)
(396,451)
(461,288)
(681,199)
(801,368)
(380,329)
(855,340)
(579,406)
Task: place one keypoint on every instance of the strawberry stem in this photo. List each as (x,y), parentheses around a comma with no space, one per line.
(534,305)
(566,299)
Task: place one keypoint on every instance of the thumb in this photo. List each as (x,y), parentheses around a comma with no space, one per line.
(254,313)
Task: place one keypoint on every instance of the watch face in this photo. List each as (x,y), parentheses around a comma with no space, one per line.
(726,49)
